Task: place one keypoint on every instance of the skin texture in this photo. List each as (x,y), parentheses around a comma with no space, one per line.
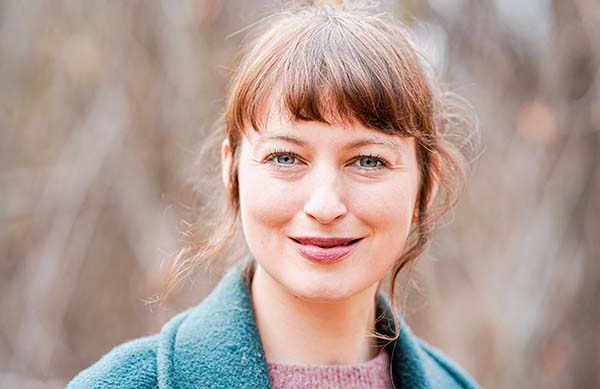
(323,181)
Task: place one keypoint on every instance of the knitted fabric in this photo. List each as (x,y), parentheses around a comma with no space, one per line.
(374,374)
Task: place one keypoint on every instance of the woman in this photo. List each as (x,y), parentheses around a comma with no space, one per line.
(336,167)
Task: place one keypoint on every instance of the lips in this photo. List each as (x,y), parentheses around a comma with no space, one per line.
(325,250)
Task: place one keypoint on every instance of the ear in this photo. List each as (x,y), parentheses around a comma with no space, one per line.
(226,162)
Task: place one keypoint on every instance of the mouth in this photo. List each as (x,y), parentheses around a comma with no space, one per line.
(325,250)
(325,242)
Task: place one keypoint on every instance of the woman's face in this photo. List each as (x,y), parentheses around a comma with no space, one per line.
(325,210)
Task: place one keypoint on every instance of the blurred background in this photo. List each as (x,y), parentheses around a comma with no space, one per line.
(103,106)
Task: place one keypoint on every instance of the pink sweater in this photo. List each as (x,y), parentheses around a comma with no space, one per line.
(371,374)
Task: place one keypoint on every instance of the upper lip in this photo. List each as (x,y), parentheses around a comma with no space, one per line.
(323,241)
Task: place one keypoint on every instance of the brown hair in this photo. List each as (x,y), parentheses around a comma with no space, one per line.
(339,63)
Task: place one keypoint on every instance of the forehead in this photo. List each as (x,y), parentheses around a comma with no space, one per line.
(312,133)
(352,139)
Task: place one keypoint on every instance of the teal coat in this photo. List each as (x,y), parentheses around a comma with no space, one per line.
(217,345)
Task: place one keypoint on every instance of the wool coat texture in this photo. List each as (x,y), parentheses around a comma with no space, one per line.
(217,345)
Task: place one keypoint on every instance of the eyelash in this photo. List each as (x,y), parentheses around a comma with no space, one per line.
(272,156)
(271,159)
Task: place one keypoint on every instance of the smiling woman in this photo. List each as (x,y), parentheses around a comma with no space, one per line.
(339,195)
(336,166)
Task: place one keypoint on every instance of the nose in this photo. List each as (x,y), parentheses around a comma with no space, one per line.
(325,203)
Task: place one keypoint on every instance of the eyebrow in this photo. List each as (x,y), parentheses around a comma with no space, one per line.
(374,140)
(286,138)
(364,141)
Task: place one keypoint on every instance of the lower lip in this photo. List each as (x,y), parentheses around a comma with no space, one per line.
(324,255)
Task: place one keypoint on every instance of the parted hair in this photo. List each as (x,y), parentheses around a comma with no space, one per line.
(338,62)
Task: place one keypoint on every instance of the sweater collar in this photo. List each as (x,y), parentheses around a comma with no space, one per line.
(217,343)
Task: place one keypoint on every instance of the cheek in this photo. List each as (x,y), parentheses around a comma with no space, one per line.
(385,206)
(265,202)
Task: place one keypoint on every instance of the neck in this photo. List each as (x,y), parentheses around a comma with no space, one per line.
(296,331)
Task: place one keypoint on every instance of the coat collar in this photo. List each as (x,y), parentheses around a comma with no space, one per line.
(217,343)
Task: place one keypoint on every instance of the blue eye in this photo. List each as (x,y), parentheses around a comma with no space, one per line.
(371,162)
(285,159)
(282,158)
(368,162)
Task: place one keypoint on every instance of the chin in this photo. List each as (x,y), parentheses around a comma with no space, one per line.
(322,292)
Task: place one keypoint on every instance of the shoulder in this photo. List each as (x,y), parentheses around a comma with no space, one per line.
(130,365)
(442,371)
(188,347)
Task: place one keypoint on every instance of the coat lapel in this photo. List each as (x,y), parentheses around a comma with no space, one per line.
(217,344)
(407,363)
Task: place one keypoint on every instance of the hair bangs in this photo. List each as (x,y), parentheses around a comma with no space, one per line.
(332,72)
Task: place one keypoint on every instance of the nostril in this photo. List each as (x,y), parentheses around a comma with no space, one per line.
(325,205)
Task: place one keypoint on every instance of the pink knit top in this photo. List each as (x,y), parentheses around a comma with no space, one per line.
(371,374)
